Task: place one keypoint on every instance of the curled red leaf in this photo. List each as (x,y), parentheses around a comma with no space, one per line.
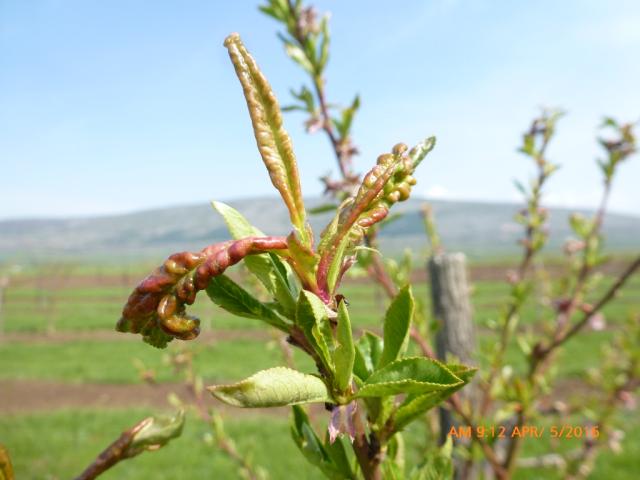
(157,306)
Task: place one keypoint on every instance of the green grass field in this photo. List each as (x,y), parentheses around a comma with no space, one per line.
(58,444)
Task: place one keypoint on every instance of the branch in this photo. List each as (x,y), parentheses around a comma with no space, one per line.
(606,298)
(150,434)
(114,453)
(367,452)
(343,155)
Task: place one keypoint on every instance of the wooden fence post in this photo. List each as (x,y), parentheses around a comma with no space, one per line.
(4,283)
(451,308)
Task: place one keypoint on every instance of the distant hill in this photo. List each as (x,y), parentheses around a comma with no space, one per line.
(479,229)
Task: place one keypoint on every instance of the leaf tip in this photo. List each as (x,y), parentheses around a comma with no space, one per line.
(231,39)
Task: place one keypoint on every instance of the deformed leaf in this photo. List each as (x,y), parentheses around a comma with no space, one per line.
(273,140)
(344,354)
(410,375)
(230,296)
(303,260)
(390,181)
(275,387)
(157,306)
(397,323)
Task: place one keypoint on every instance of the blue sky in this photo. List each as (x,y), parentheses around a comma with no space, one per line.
(116,106)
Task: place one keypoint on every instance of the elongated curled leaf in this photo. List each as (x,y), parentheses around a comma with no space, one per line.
(397,323)
(233,298)
(269,269)
(157,307)
(345,352)
(390,181)
(273,140)
(410,375)
(275,387)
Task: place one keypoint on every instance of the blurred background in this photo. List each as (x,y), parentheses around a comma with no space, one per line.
(120,121)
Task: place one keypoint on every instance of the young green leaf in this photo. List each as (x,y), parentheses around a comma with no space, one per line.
(275,387)
(312,316)
(273,140)
(410,375)
(395,466)
(305,437)
(230,296)
(397,323)
(267,268)
(437,465)
(416,405)
(298,55)
(344,354)
(463,372)
(368,352)
(338,453)
(324,45)
(322,456)
(157,432)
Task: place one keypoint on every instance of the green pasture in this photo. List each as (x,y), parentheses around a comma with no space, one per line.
(29,309)
(58,444)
